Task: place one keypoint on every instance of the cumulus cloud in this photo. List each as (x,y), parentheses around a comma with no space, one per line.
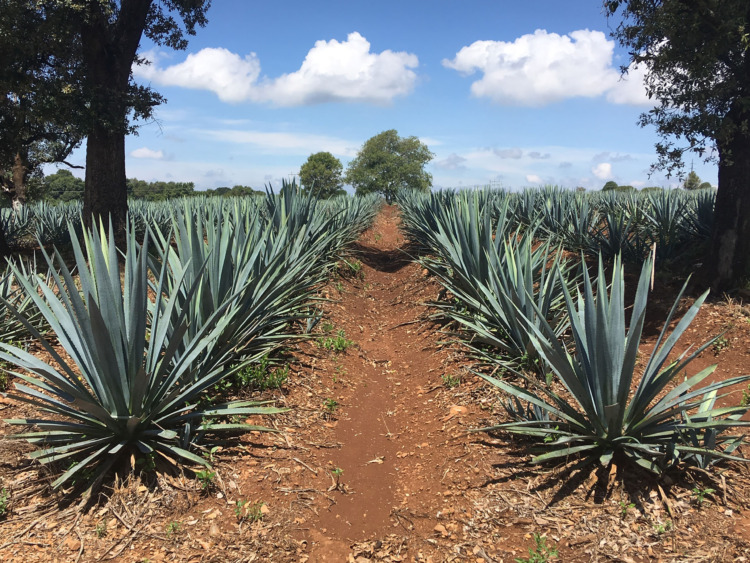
(611,157)
(603,171)
(630,89)
(451,162)
(333,71)
(534,179)
(514,153)
(543,68)
(145,152)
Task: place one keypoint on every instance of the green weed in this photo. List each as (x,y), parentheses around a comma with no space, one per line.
(4,503)
(541,553)
(700,494)
(173,528)
(624,507)
(101,529)
(719,345)
(248,512)
(262,376)
(451,381)
(206,479)
(337,343)
(330,406)
(663,528)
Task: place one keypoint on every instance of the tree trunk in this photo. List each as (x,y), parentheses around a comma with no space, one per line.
(19,175)
(109,50)
(4,248)
(728,263)
(105,194)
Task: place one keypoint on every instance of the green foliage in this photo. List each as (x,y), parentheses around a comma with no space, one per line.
(700,494)
(697,82)
(624,507)
(335,343)
(451,381)
(248,512)
(387,163)
(42,111)
(133,377)
(158,191)
(598,416)
(4,503)
(610,185)
(540,553)
(206,479)
(330,405)
(692,181)
(63,186)
(173,528)
(321,174)
(262,376)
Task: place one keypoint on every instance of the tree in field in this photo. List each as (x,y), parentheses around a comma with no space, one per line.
(387,163)
(697,59)
(692,181)
(40,106)
(611,185)
(63,186)
(321,174)
(107,34)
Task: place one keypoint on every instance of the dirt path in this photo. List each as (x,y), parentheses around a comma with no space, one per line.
(396,435)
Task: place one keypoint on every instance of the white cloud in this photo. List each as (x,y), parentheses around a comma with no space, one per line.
(274,142)
(603,171)
(145,152)
(630,89)
(332,71)
(543,68)
(451,162)
(534,179)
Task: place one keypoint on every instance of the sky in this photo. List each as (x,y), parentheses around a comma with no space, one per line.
(507,93)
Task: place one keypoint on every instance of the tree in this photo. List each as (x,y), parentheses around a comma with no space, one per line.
(63,186)
(692,181)
(41,108)
(106,35)
(387,163)
(611,185)
(321,174)
(697,60)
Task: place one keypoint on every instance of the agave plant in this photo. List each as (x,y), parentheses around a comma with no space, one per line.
(657,425)
(123,390)
(13,298)
(519,277)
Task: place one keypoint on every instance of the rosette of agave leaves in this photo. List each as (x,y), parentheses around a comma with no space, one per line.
(129,383)
(669,418)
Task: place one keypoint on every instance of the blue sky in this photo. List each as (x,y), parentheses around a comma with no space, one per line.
(515,93)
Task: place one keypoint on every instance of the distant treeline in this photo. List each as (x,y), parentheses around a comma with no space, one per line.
(63,186)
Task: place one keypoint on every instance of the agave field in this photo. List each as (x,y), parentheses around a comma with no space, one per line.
(464,376)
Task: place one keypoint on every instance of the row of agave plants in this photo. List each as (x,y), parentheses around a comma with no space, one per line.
(610,223)
(527,308)
(45,223)
(150,328)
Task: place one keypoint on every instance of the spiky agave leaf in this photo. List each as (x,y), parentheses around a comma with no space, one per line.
(599,415)
(121,391)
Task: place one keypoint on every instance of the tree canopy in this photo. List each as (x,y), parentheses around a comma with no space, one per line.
(102,38)
(41,107)
(387,163)
(697,61)
(322,174)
